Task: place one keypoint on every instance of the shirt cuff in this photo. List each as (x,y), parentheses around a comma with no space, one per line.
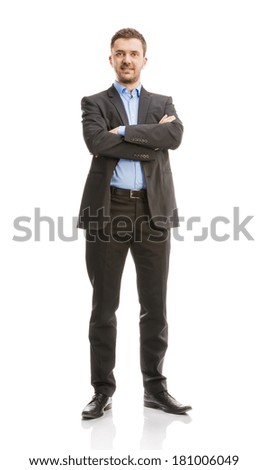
(121,130)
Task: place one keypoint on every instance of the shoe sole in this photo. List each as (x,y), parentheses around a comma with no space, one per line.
(107,407)
(166,410)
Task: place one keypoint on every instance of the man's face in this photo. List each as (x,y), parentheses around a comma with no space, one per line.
(128,60)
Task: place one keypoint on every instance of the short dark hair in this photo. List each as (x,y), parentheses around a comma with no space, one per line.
(129,33)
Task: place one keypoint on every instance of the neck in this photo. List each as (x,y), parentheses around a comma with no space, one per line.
(129,86)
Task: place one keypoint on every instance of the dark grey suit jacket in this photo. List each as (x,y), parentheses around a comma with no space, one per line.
(147,142)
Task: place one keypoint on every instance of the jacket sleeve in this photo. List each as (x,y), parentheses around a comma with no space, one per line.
(163,136)
(101,142)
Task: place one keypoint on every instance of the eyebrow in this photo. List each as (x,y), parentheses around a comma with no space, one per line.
(121,50)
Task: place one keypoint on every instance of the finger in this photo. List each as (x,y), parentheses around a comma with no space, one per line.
(170,119)
(166,119)
(163,119)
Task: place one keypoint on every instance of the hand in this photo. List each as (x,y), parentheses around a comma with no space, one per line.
(114,131)
(167,118)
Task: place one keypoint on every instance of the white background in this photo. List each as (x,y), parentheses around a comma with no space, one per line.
(211,57)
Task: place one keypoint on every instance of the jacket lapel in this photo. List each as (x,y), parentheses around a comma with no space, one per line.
(143,106)
(117,102)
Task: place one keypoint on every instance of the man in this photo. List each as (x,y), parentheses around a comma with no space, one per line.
(129,204)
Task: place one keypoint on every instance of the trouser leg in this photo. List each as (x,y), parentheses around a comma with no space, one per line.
(151,257)
(105,262)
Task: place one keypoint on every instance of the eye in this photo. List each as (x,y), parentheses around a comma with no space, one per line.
(119,54)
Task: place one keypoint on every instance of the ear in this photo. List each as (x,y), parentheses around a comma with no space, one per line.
(144,62)
(111,60)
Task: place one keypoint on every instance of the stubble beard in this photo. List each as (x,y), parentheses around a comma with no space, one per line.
(128,81)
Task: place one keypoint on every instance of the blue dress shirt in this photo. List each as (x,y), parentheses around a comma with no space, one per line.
(128,174)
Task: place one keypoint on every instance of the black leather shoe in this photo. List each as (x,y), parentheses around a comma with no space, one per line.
(165,402)
(97,406)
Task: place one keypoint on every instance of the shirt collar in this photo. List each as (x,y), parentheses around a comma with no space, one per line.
(122,89)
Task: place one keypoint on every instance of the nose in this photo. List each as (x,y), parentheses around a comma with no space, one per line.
(127,59)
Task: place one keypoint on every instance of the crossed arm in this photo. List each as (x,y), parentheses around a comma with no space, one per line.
(139,141)
(164,120)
